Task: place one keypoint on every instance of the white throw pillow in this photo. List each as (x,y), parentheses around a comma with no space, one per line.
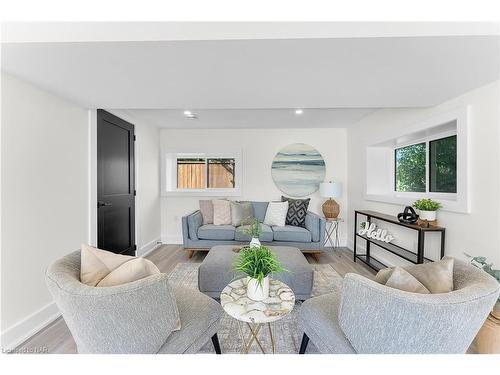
(276,213)
(222,212)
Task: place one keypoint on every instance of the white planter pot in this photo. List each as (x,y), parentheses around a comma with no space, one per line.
(427,215)
(255,242)
(256,291)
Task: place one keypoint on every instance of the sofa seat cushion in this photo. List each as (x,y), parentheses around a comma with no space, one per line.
(265,236)
(200,316)
(216,232)
(291,233)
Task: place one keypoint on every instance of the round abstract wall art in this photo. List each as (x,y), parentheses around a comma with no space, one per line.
(298,169)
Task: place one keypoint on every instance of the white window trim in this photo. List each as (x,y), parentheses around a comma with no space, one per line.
(169,174)
(453,202)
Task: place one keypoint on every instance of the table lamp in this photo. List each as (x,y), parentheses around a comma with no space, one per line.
(330,190)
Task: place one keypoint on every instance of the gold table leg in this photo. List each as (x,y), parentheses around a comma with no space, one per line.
(272,337)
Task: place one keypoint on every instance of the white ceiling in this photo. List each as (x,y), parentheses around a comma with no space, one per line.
(246,74)
(247,118)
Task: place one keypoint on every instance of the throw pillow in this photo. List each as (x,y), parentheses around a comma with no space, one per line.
(104,268)
(207,212)
(222,212)
(241,213)
(402,280)
(276,214)
(297,211)
(436,276)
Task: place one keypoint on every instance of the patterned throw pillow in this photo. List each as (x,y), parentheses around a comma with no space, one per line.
(297,211)
(222,212)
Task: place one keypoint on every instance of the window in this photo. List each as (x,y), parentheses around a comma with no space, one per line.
(443,165)
(429,166)
(410,168)
(205,173)
(202,174)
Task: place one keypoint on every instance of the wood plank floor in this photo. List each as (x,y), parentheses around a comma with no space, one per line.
(56,338)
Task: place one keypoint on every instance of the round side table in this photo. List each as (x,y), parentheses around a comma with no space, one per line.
(256,314)
(332,232)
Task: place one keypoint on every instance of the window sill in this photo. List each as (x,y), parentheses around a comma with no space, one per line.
(450,205)
(203,193)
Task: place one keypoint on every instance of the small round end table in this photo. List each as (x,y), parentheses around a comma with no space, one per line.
(256,314)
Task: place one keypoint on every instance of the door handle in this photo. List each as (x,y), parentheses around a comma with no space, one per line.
(103,204)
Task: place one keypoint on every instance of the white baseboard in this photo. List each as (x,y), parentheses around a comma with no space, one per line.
(23,330)
(172,239)
(149,247)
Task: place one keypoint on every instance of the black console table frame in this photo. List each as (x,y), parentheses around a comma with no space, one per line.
(416,258)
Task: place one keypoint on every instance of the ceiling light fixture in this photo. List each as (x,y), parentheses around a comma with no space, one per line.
(299,111)
(188,113)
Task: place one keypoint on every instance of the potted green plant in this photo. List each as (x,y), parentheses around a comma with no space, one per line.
(253,230)
(427,209)
(488,338)
(257,263)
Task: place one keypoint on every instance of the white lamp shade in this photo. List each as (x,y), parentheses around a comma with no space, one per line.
(330,189)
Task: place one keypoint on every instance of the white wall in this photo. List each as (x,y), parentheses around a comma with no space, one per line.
(258,149)
(44,198)
(476,233)
(147,158)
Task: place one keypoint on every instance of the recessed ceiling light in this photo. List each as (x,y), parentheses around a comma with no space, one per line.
(188,113)
(299,111)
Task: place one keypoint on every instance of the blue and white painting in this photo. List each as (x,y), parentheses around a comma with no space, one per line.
(298,169)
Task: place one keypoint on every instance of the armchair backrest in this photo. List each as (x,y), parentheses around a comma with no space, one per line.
(136,317)
(379,319)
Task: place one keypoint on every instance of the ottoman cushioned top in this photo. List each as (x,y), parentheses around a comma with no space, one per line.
(216,270)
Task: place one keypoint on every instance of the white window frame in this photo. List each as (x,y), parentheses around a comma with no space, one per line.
(169,174)
(380,162)
(427,193)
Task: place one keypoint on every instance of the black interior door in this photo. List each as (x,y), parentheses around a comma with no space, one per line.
(115,184)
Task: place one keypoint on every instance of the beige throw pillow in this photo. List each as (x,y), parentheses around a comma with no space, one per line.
(222,212)
(402,280)
(103,268)
(207,211)
(436,277)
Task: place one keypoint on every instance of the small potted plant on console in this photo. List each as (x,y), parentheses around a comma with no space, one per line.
(427,209)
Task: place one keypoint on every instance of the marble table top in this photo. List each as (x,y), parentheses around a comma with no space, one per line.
(235,302)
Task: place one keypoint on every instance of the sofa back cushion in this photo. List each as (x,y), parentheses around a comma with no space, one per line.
(259,210)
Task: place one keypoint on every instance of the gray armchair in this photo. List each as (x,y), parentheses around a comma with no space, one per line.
(372,318)
(133,317)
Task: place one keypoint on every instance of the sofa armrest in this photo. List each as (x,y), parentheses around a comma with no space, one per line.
(316,225)
(190,225)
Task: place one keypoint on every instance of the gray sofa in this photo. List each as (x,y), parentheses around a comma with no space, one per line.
(369,317)
(132,318)
(198,236)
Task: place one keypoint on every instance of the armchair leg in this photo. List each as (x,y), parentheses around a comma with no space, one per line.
(303,344)
(215,342)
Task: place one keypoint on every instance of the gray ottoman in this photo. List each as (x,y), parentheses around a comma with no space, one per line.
(216,271)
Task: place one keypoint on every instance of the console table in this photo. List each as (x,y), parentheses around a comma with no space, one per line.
(406,254)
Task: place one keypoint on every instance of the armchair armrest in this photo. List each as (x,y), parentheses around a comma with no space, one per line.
(190,225)
(316,225)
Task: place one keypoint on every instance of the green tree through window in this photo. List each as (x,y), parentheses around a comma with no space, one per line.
(410,168)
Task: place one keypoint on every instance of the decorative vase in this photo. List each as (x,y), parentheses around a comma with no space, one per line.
(255,242)
(488,338)
(427,215)
(256,291)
